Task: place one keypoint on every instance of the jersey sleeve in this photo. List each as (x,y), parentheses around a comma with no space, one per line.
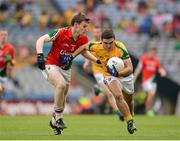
(11,51)
(92,46)
(158,64)
(53,33)
(123,48)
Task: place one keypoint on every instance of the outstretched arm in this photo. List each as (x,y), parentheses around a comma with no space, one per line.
(137,71)
(90,56)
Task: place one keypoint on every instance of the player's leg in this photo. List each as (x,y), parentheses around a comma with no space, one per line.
(2,81)
(128,91)
(57,80)
(115,87)
(150,89)
(150,102)
(104,89)
(65,93)
(56,122)
(1,89)
(130,101)
(97,89)
(121,103)
(111,100)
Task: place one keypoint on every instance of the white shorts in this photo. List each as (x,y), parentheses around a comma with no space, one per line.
(149,85)
(3,81)
(99,77)
(126,83)
(65,73)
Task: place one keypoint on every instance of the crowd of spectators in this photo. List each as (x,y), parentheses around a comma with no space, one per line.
(151,17)
(16,12)
(155,18)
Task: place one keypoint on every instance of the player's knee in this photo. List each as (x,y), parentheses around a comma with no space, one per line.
(151,93)
(1,89)
(61,85)
(119,97)
(109,95)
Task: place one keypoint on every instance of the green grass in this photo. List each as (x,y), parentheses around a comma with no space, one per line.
(89,127)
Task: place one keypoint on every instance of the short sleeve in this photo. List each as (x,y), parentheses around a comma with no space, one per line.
(53,33)
(123,49)
(12,53)
(92,45)
(11,50)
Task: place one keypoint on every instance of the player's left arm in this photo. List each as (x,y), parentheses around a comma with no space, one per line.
(162,72)
(11,62)
(10,57)
(79,50)
(161,69)
(88,55)
(128,68)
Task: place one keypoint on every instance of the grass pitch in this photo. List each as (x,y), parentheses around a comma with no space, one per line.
(89,127)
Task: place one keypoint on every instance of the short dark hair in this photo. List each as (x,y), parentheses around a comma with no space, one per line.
(3,29)
(107,34)
(79,17)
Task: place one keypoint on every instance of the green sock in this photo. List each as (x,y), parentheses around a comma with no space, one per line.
(98,90)
(118,113)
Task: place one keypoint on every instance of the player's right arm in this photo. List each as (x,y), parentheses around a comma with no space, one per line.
(161,69)
(46,38)
(39,49)
(40,43)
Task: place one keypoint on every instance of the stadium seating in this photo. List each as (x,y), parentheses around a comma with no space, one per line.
(34,86)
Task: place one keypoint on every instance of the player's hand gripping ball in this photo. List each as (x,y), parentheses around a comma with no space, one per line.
(114,65)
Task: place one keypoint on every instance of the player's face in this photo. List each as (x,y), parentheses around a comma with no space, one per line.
(108,43)
(81,28)
(153,53)
(3,36)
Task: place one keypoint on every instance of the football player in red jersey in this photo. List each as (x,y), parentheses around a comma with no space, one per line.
(67,43)
(150,66)
(6,57)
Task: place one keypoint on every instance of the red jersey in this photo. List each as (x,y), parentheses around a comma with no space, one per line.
(150,67)
(6,50)
(63,43)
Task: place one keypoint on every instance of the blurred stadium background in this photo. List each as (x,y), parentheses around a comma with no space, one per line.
(140,24)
